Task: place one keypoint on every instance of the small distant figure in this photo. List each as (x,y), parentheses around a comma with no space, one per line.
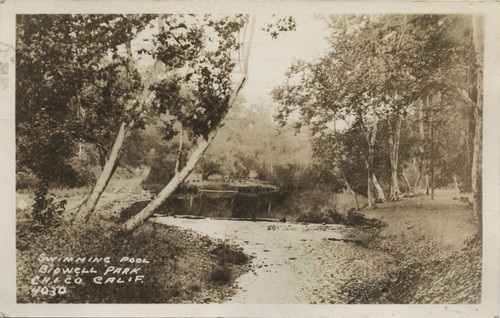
(283,220)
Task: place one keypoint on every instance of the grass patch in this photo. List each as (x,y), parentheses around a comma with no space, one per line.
(176,271)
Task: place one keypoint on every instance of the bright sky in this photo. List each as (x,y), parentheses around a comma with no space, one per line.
(269,58)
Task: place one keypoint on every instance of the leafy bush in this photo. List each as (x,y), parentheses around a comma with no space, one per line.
(85,169)
(221,275)
(315,217)
(45,210)
(26,179)
(327,216)
(227,254)
(331,216)
(355,218)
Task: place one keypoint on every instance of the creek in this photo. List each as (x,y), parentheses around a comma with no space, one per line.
(225,204)
(296,263)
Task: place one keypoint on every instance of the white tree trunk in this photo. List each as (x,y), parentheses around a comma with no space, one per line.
(477,170)
(457,188)
(138,219)
(394,139)
(418,170)
(89,204)
(380,191)
(419,161)
(371,139)
(408,187)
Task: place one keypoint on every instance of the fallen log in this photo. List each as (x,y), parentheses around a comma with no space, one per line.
(248,219)
(196,217)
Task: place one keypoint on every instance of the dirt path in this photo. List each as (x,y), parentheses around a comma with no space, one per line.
(437,248)
(294,263)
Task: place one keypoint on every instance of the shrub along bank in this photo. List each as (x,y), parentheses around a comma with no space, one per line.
(60,263)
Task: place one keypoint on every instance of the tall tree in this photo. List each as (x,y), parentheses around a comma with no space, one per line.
(132,102)
(213,97)
(477,180)
(58,56)
(351,81)
(377,71)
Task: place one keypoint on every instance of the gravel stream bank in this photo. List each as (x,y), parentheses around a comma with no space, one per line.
(295,263)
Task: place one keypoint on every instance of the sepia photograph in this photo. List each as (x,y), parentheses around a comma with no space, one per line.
(250,157)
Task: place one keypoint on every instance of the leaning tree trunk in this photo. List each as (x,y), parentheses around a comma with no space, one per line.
(138,219)
(477,180)
(380,191)
(432,154)
(89,204)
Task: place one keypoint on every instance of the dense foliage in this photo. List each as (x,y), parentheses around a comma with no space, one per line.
(400,90)
(72,86)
